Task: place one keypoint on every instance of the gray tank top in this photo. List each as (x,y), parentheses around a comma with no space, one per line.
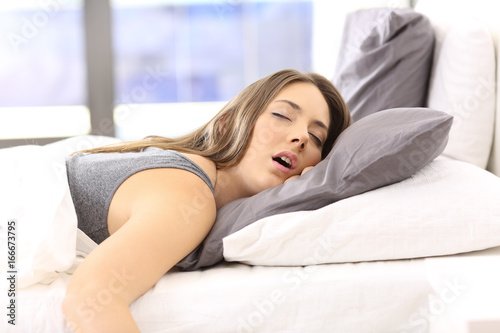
(94,178)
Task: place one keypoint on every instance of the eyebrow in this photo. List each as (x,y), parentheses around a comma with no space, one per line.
(297,108)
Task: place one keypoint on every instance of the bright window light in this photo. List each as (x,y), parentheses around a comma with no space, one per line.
(134,122)
(172,79)
(44,122)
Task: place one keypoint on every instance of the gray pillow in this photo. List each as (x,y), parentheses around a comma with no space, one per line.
(378,150)
(384,60)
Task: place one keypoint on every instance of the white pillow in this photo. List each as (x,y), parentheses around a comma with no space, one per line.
(462,83)
(494,162)
(448,207)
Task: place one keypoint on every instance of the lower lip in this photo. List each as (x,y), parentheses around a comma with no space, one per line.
(281,167)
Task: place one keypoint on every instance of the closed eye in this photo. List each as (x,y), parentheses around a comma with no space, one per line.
(317,140)
(279,115)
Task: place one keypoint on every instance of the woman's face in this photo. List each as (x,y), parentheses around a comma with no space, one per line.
(288,137)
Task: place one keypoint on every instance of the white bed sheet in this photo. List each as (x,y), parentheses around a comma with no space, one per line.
(435,295)
(353,297)
(441,294)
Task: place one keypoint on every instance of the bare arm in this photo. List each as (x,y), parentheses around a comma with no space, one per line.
(165,225)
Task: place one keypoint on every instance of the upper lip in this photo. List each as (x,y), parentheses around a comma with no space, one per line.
(293,158)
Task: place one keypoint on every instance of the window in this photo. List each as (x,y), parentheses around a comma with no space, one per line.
(169,53)
(175,62)
(42,72)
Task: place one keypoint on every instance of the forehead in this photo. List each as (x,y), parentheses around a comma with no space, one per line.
(308,97)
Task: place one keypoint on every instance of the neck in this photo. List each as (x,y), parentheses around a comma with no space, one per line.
(227,187)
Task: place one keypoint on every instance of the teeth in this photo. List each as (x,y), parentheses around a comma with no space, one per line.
(286,159)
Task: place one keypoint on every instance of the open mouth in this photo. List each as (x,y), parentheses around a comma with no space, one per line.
(284,161)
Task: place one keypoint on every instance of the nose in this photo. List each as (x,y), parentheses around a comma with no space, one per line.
(301,140)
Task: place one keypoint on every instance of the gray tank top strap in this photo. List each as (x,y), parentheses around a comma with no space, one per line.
(186,164)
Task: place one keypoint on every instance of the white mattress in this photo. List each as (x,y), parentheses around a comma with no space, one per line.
(468,290)
(417,295)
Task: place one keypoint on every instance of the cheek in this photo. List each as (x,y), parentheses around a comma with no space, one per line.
(263,136)
(313,158)
(276,125)
(261,139)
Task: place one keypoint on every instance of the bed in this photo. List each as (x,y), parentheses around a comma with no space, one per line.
(418,250)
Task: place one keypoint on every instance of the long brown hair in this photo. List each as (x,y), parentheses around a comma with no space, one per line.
(225,138)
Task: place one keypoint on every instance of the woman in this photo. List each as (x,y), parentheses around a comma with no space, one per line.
(271,132)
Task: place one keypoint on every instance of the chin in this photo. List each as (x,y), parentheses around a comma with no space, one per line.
(263,183)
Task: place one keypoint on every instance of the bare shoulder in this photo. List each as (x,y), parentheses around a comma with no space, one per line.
(161,189)
(206,164)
